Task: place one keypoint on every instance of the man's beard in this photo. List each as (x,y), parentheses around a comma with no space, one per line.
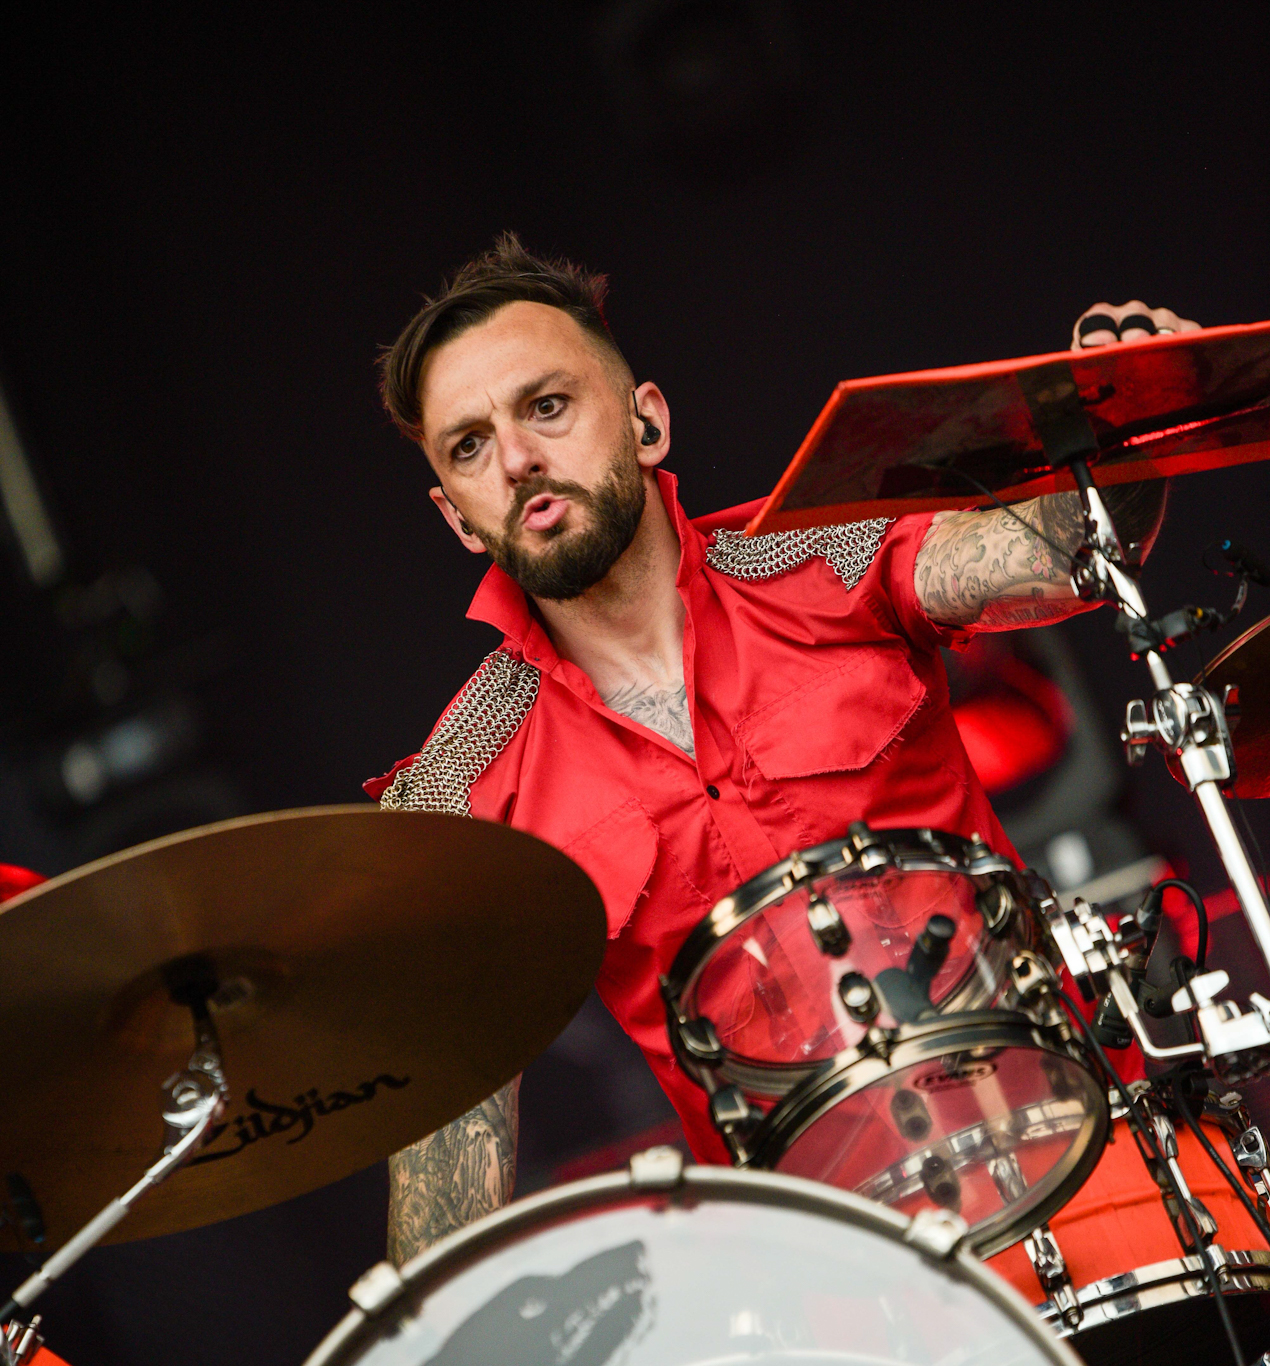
(574,560)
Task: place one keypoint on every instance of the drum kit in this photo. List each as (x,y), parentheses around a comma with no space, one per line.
(935,1160)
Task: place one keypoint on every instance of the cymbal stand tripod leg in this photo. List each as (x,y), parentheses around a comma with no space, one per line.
(1186,721)
(192,1101)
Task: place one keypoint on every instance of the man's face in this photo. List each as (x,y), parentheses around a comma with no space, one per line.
(528,426)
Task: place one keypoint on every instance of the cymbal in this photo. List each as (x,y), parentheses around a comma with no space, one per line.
(1245,662)
(935,439)
(380,974)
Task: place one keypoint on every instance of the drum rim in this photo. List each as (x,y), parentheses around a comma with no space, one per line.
(465,1245)
(1166,1282)
(781,1128)
(927,855)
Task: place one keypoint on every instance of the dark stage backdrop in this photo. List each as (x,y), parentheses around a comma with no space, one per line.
(212,224)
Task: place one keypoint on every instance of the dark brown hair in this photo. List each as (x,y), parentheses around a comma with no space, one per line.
(505,274)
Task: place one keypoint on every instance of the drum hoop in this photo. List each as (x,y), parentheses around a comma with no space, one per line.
(1160,1283)
(789,1120)
(911,851)
(459,1249)
(780,1080)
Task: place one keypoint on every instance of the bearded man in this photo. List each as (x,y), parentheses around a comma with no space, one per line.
(673,705)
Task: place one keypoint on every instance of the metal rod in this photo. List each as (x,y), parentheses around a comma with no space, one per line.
(193,1098)
(1103,547)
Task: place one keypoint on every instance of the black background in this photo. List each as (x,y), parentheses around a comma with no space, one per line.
(212,223)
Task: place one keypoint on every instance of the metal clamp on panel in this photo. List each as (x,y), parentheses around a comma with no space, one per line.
(376,1288)
(660,1168)
(1237,1041)
(700,1041)
(1086,943)
(1051,1270)
(1189,725)
(936,1232)
(735,1120)
(865,848)
(1254,1161)
(831,935)
(19,1342)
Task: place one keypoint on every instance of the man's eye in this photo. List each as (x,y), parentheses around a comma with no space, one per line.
(468,446)
(550,405)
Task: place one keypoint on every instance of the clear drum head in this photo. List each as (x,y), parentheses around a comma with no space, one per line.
(713,1278)
(978,1119)
(771,991)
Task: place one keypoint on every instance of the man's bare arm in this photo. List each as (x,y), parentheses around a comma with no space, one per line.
(990,570)
(453,1177)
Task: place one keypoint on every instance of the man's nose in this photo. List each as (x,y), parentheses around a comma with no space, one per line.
(521,454)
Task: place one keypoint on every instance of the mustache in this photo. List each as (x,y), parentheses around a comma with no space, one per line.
(531,488)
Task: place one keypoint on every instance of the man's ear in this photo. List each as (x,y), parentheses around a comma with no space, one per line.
(460,528)
(654,411)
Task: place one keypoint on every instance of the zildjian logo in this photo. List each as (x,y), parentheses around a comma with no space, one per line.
(264,1119)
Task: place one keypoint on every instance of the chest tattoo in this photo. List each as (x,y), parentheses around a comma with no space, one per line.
(664,710)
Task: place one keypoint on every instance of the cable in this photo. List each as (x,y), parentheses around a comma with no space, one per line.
(1005,507)
(1147,1142)
(1201,912)
(1231,1180)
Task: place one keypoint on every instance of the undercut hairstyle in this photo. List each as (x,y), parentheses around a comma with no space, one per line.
(505,274)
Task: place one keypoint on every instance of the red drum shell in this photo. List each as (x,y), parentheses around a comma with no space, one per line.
(1117,1222)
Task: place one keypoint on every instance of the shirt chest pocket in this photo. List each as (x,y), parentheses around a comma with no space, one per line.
(838,721)
(618,854)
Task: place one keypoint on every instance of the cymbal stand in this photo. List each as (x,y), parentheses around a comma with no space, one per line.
(192,1101)
(1183,720)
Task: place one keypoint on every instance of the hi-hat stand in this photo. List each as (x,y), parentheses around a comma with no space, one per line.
(192,1100)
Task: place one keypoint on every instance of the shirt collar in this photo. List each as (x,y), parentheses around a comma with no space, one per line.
(501,601)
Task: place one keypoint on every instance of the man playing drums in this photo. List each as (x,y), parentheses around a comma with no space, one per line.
(673,705)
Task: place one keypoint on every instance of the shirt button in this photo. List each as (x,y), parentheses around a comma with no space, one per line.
(712,791)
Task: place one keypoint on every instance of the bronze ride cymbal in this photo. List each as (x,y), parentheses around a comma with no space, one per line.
(380,973)
(1245,662)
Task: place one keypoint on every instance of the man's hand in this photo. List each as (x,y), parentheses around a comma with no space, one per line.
(992,570)
(1104,324)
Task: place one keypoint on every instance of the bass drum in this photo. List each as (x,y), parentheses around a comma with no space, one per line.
(1139,1299)
(700,1266)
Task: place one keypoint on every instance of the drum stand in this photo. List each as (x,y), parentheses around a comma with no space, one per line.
(192,1100)
(1185,721)
(1189,724)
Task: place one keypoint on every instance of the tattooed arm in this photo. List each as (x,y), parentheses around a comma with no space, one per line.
(453,1177)
(986,569)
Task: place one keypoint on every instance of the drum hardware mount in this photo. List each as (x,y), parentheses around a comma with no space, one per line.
(1035,983)
(1166,1141)
(830,934)
(937,1232)
(1235,1042)
(1186,721)
(1253,1160)
(858,998)
(192,1100)
(19,1342)
(1050,1266)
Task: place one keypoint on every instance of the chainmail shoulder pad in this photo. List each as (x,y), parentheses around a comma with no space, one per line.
(848,547)
(471,735)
